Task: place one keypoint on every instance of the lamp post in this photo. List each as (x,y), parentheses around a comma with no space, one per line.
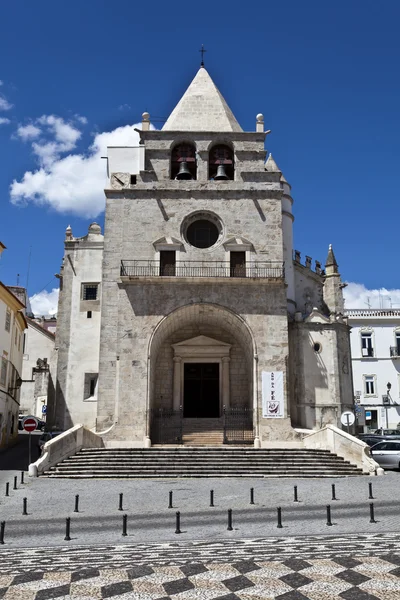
(386,401)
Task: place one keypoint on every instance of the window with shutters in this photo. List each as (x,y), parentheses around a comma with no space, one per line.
(3,372)
(8,320)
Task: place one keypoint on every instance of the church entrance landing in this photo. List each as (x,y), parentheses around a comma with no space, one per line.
(201,390)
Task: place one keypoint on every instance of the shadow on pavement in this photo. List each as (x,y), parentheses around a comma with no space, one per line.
(16,458)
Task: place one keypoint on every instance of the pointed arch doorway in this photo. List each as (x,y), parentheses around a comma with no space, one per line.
(201,377)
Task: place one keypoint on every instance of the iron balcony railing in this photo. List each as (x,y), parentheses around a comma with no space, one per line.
(395,351)
(188,268)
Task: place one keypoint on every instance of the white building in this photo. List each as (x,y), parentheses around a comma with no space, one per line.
(375,350)
(38,354)
(12,326)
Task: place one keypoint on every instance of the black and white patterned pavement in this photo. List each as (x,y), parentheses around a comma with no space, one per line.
(352,567)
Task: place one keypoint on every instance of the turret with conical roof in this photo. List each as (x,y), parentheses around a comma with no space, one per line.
(202,108)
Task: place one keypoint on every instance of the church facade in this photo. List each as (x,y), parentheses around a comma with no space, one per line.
(193,312)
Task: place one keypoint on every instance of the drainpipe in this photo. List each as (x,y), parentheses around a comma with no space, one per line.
(256,412)
(147,439)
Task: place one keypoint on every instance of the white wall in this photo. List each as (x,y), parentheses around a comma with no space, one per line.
(38,344)
(386,369)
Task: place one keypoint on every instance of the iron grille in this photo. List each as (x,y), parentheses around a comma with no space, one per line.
(395,351)
(151,268)
(238,425)
(166,426)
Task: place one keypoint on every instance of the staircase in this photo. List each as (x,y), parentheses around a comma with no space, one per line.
(202,432)
(160,462)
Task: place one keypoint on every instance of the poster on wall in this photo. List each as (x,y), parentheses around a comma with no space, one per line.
(272,394)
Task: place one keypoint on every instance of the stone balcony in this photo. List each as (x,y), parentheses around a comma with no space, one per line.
(143,270)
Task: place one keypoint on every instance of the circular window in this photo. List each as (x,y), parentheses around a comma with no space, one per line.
(202,234)
(202,229)
(317,347)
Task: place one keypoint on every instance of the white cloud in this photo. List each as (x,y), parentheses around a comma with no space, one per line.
(356,295)
(4,104)
(124,107)
(28,132)
(1,82)
(73,184)
(45,303)
(4,121)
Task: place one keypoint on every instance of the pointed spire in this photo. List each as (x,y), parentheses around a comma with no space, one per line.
(270,164)
(331,260)
(202,108)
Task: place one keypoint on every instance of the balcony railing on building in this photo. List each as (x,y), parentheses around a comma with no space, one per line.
(188,268)
(395,351)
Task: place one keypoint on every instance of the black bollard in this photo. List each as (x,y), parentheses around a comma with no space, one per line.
(124,525)
(333,492)
(295,494)
(67,529)
(25,506)
(328,515)
(251,495)
(370,497)
(22,477)
(15,482)
(76,509)
(211,497)
(121,499)
(279,513)
(178,522)
(170,500)
(2,527)
(371,513)
(229,528)
(7,489)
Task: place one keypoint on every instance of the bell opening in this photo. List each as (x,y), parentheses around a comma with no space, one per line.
(183,162)
(221,163)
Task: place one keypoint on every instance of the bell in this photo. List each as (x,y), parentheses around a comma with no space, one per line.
(221,173)
(184,172)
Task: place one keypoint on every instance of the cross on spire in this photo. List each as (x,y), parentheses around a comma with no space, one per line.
(202,50)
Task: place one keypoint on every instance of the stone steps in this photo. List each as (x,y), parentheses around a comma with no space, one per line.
(201,462)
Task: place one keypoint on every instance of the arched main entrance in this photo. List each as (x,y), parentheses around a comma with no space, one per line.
(201,367)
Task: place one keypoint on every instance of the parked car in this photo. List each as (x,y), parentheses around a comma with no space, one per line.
(46,437)
(387,454)
(373,438)
(385,432)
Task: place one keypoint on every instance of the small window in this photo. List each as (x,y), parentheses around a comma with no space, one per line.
(3,372)
(89,291)
(90,386)
(133,179)
(167,263)
(317,347)
(8,320)
(367,350)
(89,314)
(369,385)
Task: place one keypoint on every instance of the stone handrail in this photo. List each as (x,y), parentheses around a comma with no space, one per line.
(345,445)
(64,445)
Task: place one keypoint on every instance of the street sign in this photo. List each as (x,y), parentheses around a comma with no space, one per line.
(44,409)
(30,423)
(368,415)
(347,418)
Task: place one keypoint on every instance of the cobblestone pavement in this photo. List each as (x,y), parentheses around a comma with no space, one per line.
(50,502)
(363,567)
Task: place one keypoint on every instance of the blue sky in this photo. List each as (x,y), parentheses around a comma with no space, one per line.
(325,76)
